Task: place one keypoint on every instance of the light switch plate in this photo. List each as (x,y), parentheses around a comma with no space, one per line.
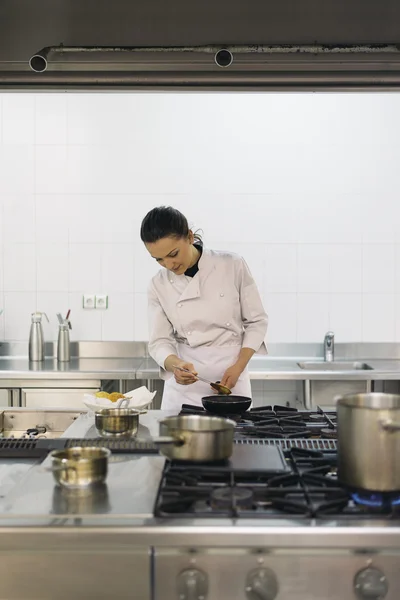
(89,301)
(102,301)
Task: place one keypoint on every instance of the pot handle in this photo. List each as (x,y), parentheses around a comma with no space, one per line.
(54,469)
(389,425)
(168,441)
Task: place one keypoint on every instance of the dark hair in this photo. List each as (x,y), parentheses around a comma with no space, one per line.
(164,221)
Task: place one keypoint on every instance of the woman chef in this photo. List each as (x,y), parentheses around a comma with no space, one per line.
(205,312)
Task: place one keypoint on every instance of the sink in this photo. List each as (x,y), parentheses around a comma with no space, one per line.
(334,366)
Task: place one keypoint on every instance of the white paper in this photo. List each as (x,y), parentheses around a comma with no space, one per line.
(139,398)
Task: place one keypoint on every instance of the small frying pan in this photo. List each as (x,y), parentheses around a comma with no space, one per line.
(217,386)
(226,405)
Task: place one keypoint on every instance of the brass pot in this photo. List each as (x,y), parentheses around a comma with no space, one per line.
(81,501)
(195,438)
(117,422)
(80,467)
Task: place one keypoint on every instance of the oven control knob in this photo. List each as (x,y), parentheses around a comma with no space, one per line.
(261,584)
(370,584)
(192,585)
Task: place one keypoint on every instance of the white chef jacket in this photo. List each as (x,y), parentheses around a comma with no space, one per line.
(220,308)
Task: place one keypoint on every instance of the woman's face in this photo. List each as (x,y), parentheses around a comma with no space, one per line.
(175,254)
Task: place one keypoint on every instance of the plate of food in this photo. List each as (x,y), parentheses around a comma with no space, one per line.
(140,398)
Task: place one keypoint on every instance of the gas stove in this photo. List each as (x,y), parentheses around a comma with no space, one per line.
(272,522)
(309,488)
(279,422)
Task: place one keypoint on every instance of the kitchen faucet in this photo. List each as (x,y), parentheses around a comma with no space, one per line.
(329,346)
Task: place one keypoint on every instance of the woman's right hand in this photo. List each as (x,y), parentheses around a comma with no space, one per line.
(185,378)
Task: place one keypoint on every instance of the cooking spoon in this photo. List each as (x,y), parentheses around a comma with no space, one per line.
(221,389)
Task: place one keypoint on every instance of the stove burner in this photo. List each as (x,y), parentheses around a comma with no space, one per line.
(309,490)
(317,418)
(377,501)
(279,422)
(231,497)
(329,433)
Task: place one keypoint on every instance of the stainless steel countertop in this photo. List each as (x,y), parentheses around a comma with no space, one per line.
(36,512)
(277,368)
(19,369)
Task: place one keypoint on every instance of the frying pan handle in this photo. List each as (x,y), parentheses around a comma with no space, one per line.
(168,441)
(389,425)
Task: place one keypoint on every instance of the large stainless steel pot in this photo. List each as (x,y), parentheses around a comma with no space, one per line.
(369,441)
(196,438)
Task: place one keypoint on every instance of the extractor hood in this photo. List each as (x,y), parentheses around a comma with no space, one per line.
(193,45)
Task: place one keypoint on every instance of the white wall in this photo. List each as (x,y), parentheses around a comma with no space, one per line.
(304,186)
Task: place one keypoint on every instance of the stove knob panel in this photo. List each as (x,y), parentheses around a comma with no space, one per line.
(192,585)
(370,584)
(261,584)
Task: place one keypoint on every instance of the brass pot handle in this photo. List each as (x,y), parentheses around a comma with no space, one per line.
(168,441)
(389,425)
(55,469)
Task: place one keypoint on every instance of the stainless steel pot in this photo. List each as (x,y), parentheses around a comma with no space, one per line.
(369,441)
(117,422)
(80,467)
(196,438)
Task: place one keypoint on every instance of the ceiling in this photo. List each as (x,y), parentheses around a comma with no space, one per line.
(275,44)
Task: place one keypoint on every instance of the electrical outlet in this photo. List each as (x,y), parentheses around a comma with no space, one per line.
(89,301)
(101,301)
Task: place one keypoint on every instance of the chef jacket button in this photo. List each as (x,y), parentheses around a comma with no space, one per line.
(189,333)
(222,295)
(180,305)
(228,324)
(171,281)
(235,334)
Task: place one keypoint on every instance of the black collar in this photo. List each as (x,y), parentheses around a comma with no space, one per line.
(191,272)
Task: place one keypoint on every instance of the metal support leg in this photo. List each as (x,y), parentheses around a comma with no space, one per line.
(14,397)
(307,394)
(149,385)
(122,386)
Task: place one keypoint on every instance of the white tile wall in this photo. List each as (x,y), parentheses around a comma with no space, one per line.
(52,267)
(117,267)
(378,268)
(18,307)
(18,218)
(397,272)
(19,267)
(346,316)
(85,267)
(304,186)
(118,320)
(378,313)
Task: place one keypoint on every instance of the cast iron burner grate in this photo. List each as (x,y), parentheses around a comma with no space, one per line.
(279,422)
(309,491)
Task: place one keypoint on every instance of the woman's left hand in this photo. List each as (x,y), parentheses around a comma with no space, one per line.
(231,376)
